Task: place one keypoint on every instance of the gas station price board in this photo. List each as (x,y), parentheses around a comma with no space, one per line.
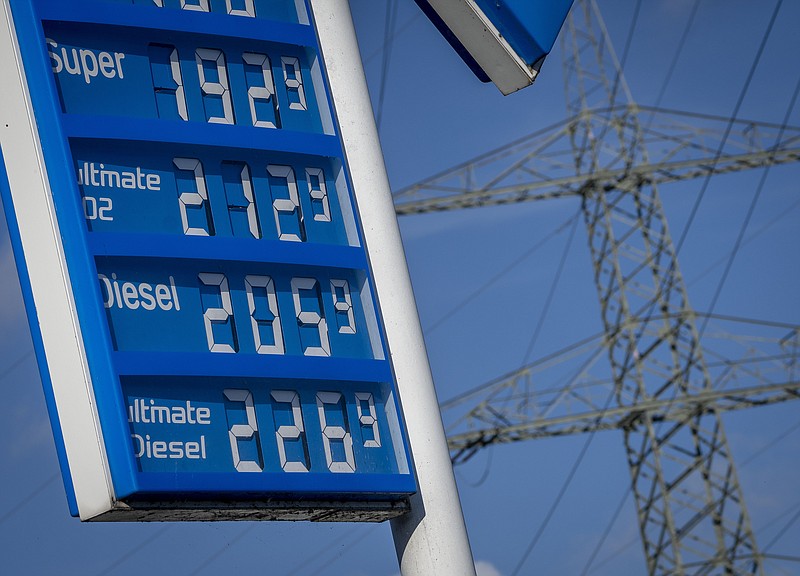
(232,337)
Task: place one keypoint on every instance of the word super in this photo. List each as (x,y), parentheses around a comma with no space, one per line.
(88,63)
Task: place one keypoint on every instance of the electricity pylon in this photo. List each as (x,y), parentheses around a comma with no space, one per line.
(662,388)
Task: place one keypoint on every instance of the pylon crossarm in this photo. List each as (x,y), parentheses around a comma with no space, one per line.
(744,357)
(678,409)
(539,167)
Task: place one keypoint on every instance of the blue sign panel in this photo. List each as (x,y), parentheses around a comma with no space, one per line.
(530,26)
(502,41)
(223,289)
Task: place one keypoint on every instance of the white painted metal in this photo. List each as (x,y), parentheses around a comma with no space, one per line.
(432,538)
(484,42)
(50,282)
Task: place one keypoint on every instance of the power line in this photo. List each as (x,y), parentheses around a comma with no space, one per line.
(784,213)
(16,363)
(572,347)
(606,532)
(726,134)
(783,531)
(721,147)
(779,517)
(347,540)
(769,445)
(389,26)
(499,275)
(561,493)
(673,65)
(121,559)
(626,50)
(783,557)
(400,29)
(616,553)
(207,562)
(38,490)
(486,471)
(628,41)
(718,154)
(751,209)
(729,127)
(553,286)
(570,222)
(764,448)
(713,164)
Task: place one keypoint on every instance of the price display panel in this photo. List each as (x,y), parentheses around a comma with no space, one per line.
(233,340)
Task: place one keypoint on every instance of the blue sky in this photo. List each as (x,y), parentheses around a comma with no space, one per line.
(436,115)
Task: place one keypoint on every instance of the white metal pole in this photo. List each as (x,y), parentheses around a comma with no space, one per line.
(432,539)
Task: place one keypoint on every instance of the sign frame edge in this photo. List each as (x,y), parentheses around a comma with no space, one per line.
(54,323)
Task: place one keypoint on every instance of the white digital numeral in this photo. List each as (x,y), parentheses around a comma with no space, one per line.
(160,83)
(319,193)
(293,79)
(218,315)
(201,6)
(290,205)
(159,3)
(249,9)
(97,208)
(195,198)
(219,88)
(265,283)
(177,77)
(335,433)
(243,431)
(343,303)
(311,318)
(369,420)
(265,93)
(247,192)
(293,431)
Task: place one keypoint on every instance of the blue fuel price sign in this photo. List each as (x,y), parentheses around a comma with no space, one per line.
(233,346)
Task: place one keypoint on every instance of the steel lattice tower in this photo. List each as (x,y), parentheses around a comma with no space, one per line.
(652,341)
(667,396)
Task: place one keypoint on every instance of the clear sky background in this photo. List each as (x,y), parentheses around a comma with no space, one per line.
(434,115)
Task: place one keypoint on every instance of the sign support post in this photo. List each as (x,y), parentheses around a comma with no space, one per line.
(432,538)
